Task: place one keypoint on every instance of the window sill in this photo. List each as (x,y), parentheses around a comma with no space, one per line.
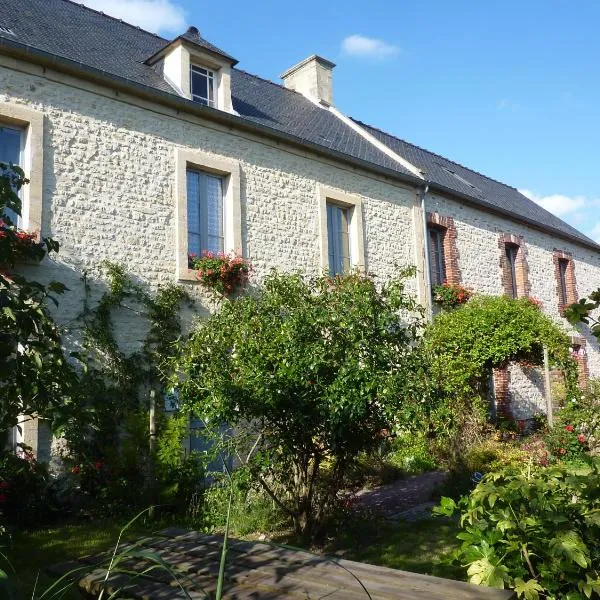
(188,275)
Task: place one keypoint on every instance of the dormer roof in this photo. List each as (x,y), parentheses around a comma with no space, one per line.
(192,39)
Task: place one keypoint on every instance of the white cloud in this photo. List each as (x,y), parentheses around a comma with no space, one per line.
(153,15)
(365,47)
(558,204)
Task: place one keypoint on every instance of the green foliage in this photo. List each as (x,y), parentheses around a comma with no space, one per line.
(36,378)
(114,387)
(25,492)
(318,369)
(583,412)
(579,312)
(533,529)
(179,474)
(491,331)
(411,452)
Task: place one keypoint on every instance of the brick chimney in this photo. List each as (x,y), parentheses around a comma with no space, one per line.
(311,77)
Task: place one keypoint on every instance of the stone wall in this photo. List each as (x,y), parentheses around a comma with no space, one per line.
(108,193)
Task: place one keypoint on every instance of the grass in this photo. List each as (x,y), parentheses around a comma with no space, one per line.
(421,547)
(33,551)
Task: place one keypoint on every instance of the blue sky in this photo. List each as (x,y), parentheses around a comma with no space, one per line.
(510,89)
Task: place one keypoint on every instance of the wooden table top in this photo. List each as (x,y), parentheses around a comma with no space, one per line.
(257,570)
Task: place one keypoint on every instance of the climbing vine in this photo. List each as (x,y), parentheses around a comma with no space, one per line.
(492,331)
(115,386)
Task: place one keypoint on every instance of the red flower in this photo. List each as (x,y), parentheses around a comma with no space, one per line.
(561,451)
(569,428)
(581,438)
(76,470)
(3,498)
(98,464)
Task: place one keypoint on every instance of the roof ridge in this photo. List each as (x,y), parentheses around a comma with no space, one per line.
(436,154)
(99,12)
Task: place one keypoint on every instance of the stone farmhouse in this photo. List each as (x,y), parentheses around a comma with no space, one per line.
(141,149)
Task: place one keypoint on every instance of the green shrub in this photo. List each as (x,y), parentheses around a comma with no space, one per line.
(319,368)
(25,492)
(411,452)
(533,529)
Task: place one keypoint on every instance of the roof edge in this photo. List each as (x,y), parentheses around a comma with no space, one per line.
(65,65)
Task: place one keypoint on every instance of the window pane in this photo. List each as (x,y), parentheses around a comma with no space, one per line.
(337,237)
(205,212)
(511,261)
(10,152)
(437,266)
(202,85)
(563,264)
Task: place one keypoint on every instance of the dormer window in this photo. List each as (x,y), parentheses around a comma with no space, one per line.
(196,69)
(202,85)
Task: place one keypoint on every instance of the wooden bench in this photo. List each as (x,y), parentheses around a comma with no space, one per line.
(263,571)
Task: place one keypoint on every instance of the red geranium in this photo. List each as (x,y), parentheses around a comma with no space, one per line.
(581,438)
(569,428)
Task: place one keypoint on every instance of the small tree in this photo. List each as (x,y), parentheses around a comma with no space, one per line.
(318,370)
(34,376)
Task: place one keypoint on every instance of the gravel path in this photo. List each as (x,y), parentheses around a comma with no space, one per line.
(403,498)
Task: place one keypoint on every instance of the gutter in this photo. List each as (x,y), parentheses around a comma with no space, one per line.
(78,69)
(426,271)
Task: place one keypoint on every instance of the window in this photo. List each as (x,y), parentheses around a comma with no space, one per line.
(437,264)
(564,274)
(340,231)
(10,152)
(511,252)
(337,238)
(208,207)
(204,212)
(202,85)
(563,296)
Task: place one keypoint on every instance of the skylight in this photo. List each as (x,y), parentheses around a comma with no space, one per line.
(461,179)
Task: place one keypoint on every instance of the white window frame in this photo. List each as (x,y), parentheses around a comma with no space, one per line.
(31,124)
(353,203)
(211,77)
(229,170)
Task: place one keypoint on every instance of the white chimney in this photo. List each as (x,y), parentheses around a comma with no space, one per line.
(311,77)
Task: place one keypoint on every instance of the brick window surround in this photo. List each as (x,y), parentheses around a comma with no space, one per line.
(501,383)
(570,288)
(446,226)
(521,266)
(579,353)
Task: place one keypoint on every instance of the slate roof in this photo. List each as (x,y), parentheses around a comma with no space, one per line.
(70,31)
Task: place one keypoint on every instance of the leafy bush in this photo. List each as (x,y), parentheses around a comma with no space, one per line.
(411,453)
(491,331)
(25,490)
(534,529)
(308,374)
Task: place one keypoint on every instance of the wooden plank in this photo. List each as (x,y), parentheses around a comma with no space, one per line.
(265,571)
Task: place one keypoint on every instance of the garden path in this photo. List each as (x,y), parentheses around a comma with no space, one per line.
(405,498)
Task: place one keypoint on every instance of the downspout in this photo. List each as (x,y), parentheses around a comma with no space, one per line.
(426,273)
